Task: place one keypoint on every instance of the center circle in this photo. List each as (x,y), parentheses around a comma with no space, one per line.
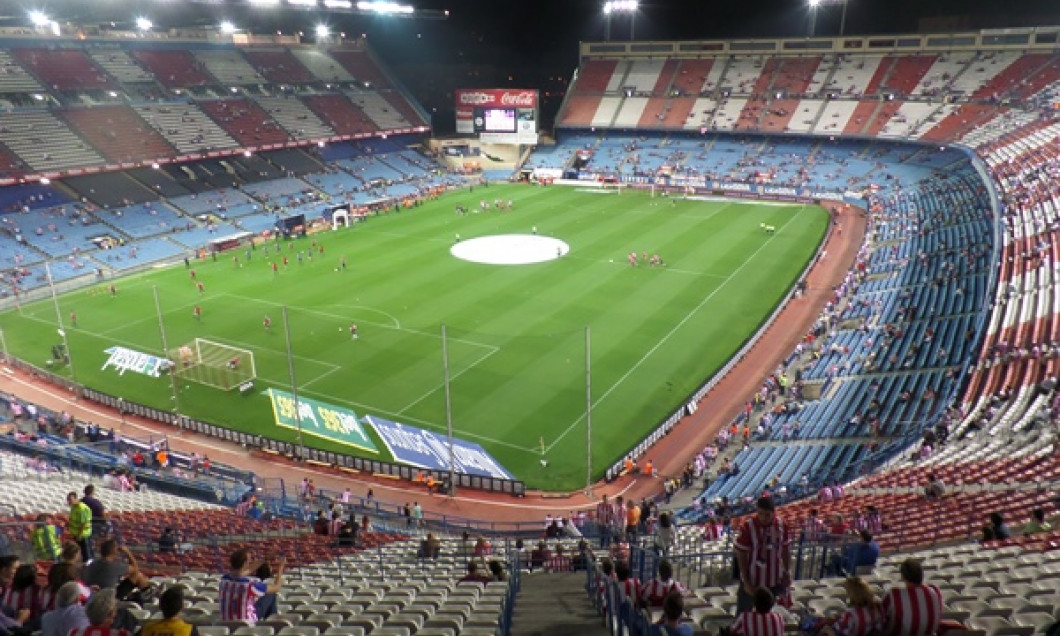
(510,249)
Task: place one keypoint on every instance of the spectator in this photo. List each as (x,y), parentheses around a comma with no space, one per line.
(171,603)
(935,488)
(430,547)
(666,535)
(45,538)
(101,610)
(655,591)
(997,526)
(59,575)
(862,554)
(349,531)
(559,562)
(321,525)
(539,555)
(863,616)
(628,583)
(761,620)
(79,525)
(246,598)
(473,575)
(108,571)
(22,593)
(172,541)
(763,554)
(482,547)
(99,521)
(912,609)
(1037,524)
(670,624)
(497,570)
(68,614)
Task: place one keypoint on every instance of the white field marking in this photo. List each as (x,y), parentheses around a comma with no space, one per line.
(451,378)
(440,427)
(123,325)
(374,324)
(397,323)
(321,376)
(670,334)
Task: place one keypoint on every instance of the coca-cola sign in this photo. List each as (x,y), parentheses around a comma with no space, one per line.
(497,97)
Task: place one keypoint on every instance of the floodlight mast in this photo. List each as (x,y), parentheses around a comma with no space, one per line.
(620,6)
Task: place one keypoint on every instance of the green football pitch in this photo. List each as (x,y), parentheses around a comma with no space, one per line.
(516,333)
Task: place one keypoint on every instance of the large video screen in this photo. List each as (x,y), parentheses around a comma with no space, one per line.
(499,120)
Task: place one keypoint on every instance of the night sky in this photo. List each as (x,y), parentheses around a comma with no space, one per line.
(506,43)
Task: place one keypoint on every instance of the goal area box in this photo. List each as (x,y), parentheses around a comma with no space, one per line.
(213,364)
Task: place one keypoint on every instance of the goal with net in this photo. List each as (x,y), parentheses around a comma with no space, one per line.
(213,364)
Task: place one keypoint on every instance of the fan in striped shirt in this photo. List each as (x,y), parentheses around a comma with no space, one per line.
(863,616)
(913,609)
(627,583)
(762,620)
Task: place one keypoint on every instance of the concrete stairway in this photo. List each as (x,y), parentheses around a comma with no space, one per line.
(555,605)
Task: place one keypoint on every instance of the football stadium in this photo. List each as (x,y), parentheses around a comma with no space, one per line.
(323,318)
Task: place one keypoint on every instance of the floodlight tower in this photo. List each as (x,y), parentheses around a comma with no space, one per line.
(620,6)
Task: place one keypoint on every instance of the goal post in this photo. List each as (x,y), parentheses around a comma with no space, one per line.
(213,364)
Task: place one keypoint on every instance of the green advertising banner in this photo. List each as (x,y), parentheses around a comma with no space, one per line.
(333,423)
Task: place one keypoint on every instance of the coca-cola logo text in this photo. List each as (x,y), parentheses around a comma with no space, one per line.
(525,98)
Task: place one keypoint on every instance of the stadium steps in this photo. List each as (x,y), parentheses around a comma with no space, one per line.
(891,374)
(870,120)
(555,605)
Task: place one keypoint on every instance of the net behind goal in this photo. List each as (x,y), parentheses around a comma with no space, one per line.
(213,364)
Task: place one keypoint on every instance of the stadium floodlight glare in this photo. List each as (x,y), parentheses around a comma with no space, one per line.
(621,6)
(384,7)
(302,3)
(338,4)
(227,27)
(38,19)
(143,24)
(264,3)
(322,31)
(628,7)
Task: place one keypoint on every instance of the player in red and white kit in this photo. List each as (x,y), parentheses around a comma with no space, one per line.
(267,323)
(353,331)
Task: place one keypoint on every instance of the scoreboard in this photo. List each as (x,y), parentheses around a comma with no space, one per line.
(498,115)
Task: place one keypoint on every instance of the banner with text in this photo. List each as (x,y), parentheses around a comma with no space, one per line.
(322,420)
(426,449)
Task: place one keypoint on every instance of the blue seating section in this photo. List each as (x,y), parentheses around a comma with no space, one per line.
(147,219)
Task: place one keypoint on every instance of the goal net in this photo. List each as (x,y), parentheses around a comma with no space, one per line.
(213,364)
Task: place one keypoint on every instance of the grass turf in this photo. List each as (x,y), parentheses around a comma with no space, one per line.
(516,333)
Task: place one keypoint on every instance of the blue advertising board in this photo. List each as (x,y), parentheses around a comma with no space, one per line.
(427,449)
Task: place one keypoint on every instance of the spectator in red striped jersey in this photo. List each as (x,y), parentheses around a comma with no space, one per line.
(23,592)
(863,616)
(813,529)
(763,553)
(670,624)
(761,620)
(243,597)
(655,591)
(712,529)
(607,574)
(628,584)
(912,609)
(102,609)
(559,562)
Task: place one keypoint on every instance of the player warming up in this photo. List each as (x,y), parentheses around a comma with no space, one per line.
(197,312)
(353,331)
(267,324)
